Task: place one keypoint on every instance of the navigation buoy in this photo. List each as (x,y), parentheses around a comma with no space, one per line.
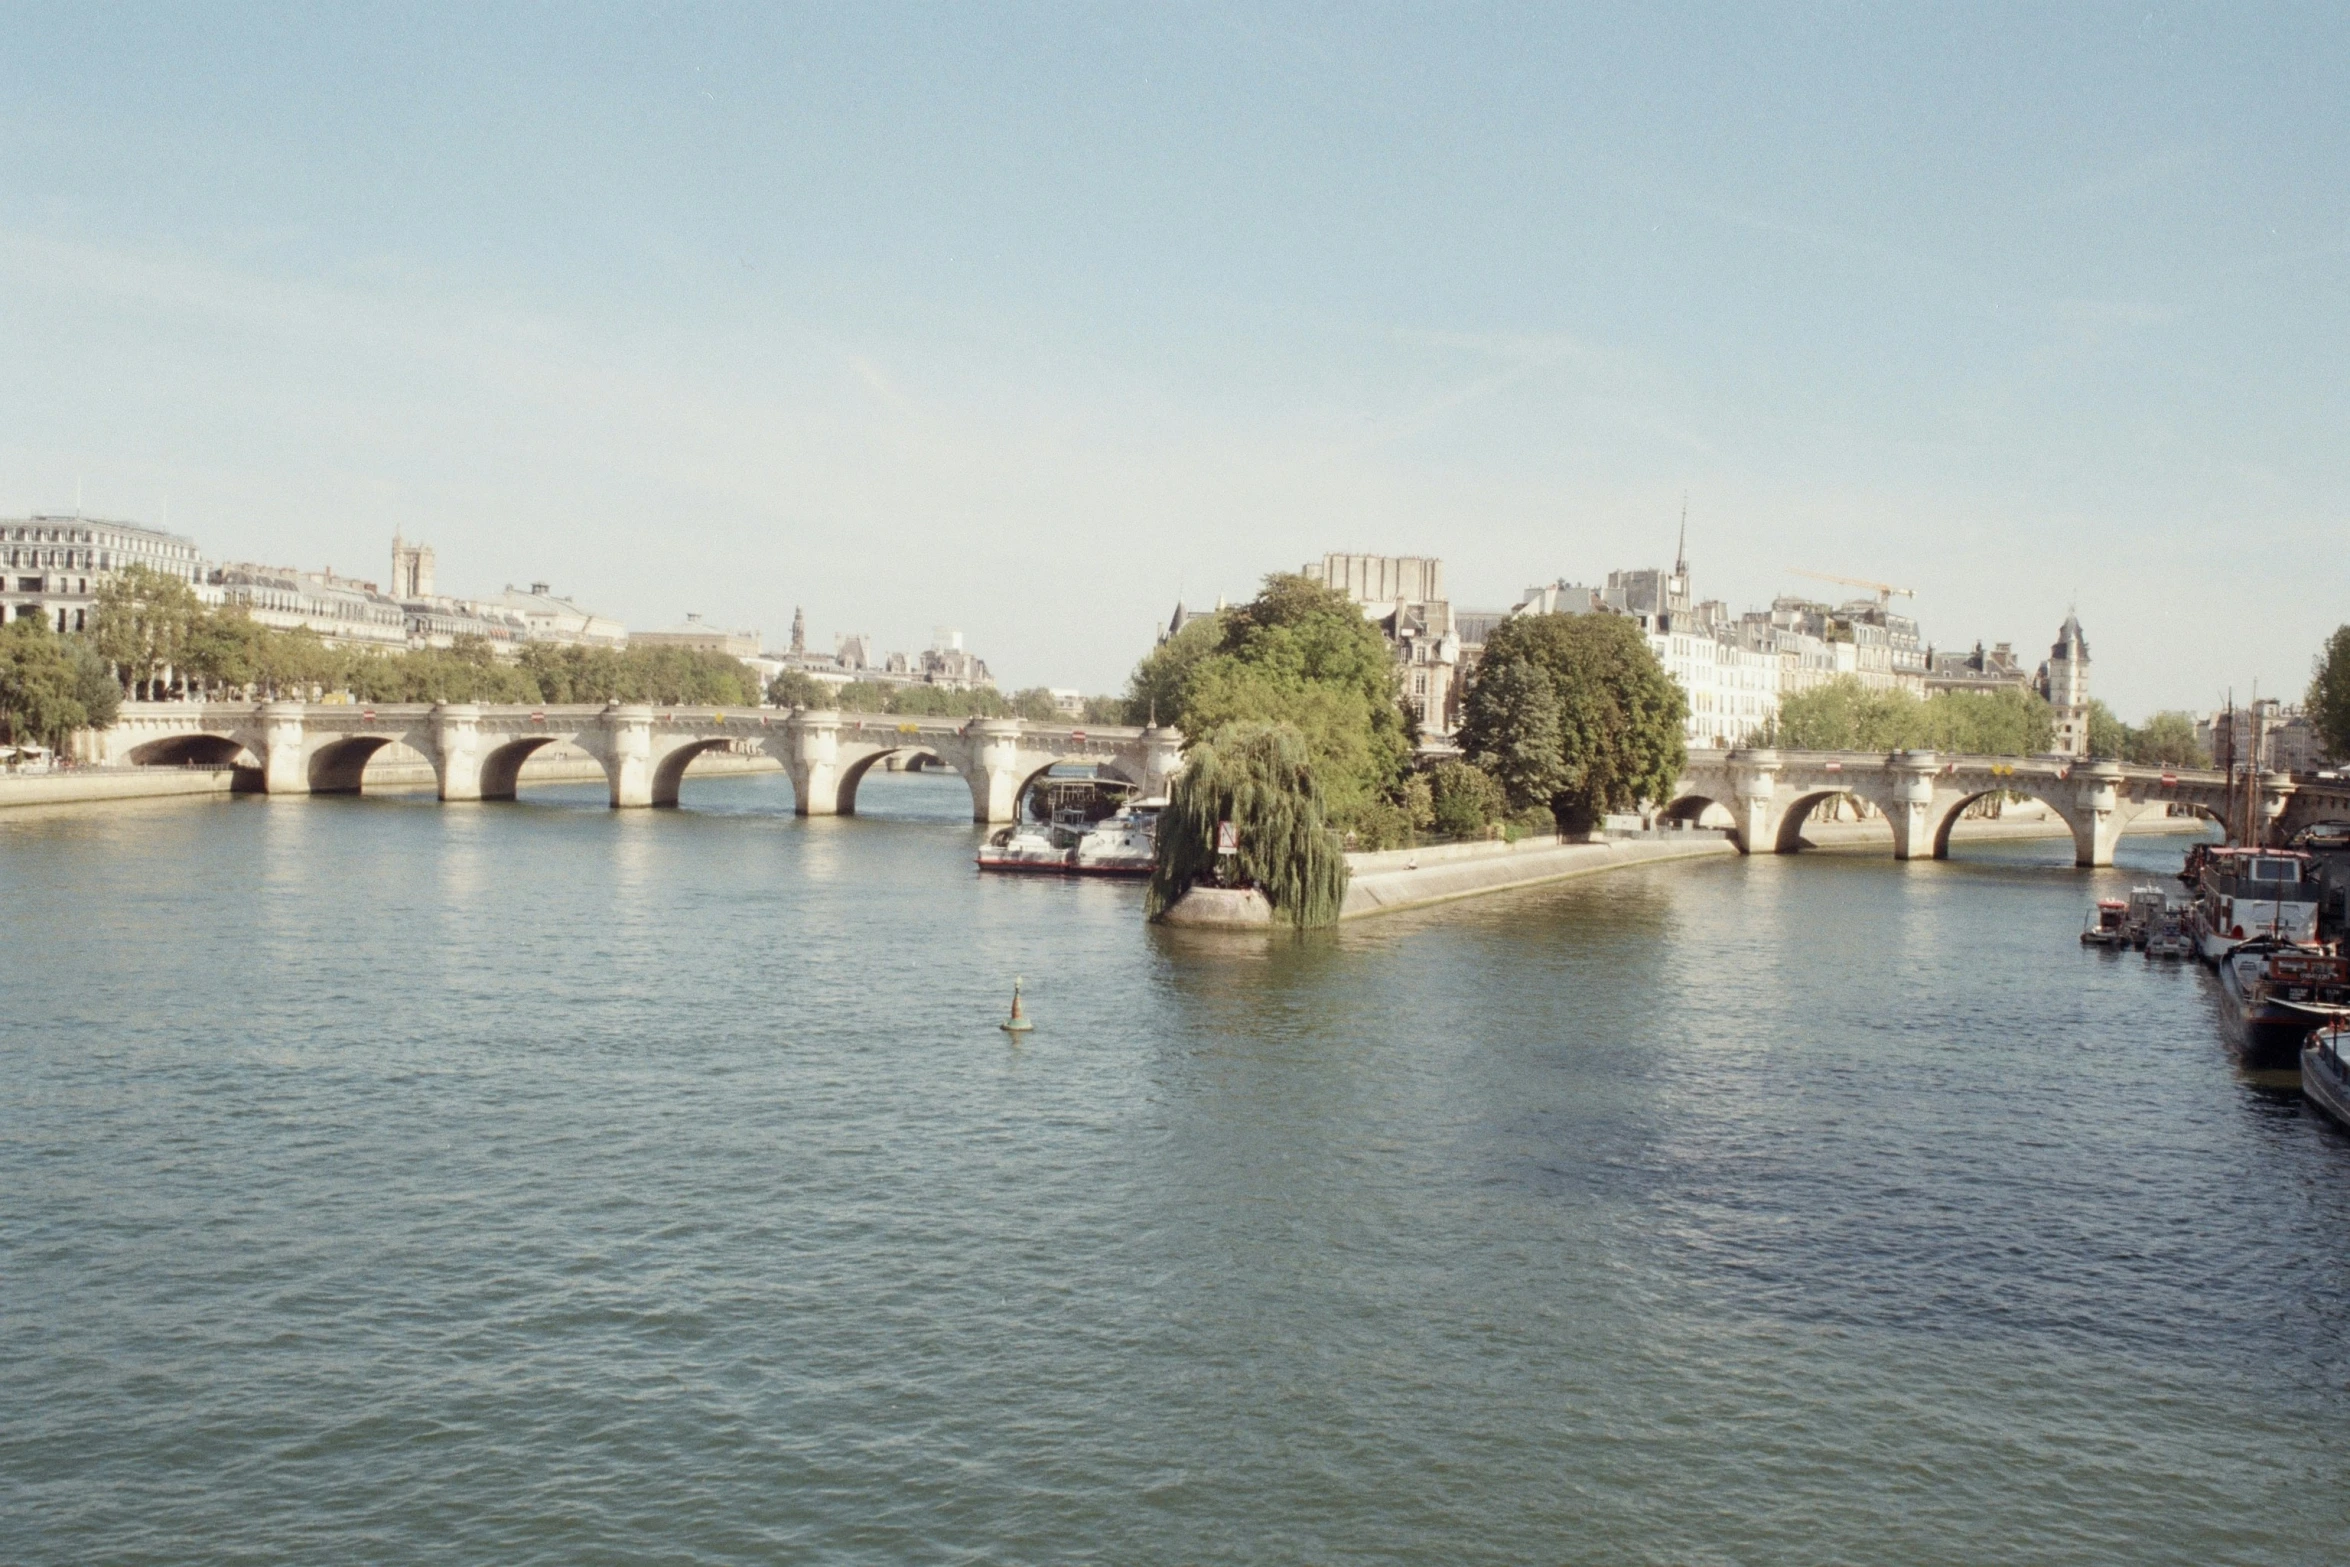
(1018,1022)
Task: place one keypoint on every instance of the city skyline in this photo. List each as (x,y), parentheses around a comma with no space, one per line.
(1049,320)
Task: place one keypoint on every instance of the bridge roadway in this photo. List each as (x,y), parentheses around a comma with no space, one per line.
(477,751)
(1770,794)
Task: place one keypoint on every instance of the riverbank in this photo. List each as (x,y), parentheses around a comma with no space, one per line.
(96,786)
(385,775)
(1396,879)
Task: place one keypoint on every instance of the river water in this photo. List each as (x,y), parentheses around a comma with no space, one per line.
(389,1182)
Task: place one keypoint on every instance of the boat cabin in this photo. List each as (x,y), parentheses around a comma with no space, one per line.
(2108,924)
(2248,892)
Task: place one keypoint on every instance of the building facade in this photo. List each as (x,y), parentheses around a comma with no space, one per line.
(411,569)
(343,612)
(1979,671)
(1863,639)
(700,636)
(54,566)
(2064,681)
(1732,687)
(1404,596)
(549,618)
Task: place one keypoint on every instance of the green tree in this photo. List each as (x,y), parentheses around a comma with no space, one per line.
(288,664)
(1156,690)
(1844,715)
(223,648)
(1619,713)
(2166,740)
(862,696)
(922,701)
(1035,704)
(1510,730)
(40,682)
(1303,655)
(142,625)
(1259,777)
(2108,735)
(2329,693)
(2013,722)
(94,685)
(1464,799)
(798,688)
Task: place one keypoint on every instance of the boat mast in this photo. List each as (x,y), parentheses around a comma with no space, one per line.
(2228,798)
(2252,777)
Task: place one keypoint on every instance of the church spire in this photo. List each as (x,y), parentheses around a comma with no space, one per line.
(1681,553)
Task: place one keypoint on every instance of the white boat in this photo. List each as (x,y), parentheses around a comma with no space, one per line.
(2148,907)
(2170,939)
(1034,846)
(2243,894)
(1124,843)
(2108,924)
(2325,1077)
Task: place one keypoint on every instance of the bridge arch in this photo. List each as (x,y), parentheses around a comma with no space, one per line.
(338,766)
(1104,769)
(1948,819)
(845,804)
(1799,811)
(2058,806)
(501,769)
(199,750)
(669,772)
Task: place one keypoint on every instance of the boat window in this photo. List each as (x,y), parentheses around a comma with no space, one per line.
(2275,870)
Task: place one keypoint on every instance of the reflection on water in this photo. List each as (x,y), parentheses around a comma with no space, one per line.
(533,1181)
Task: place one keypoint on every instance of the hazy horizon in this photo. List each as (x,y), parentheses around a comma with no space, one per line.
(1028,321)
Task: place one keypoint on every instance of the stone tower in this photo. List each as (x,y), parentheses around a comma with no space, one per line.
(799,630)
(411,569)
(2064,680)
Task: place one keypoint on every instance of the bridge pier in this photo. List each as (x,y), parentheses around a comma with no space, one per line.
(1162,761)
(1910,812)
(1755,776)
(285,753)
(630,764)
(995,776)
(456,737)
(2097,818)
(813,761)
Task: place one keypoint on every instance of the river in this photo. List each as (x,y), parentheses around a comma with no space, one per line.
(389,1182)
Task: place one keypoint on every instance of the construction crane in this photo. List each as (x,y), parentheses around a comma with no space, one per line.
(1883,590)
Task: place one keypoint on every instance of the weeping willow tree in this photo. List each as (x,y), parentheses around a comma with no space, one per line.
(1257,777)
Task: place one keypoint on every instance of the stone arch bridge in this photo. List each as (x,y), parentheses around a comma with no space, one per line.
(477,751)
(1769,795)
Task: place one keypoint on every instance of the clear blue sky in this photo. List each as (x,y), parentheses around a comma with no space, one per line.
(1025,319)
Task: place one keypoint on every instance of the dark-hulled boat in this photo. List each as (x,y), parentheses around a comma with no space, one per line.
(2277,995)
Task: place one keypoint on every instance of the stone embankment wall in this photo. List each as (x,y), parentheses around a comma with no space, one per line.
(1412,878)
(84,788)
